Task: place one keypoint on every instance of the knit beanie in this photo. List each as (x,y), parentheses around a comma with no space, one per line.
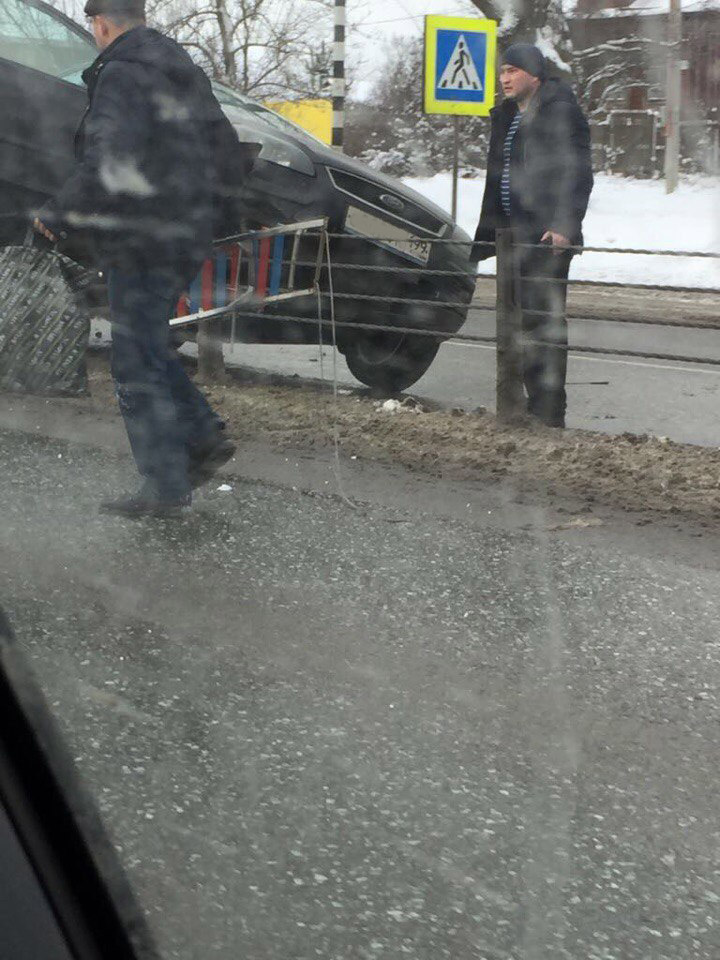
(527,58)
(128,8)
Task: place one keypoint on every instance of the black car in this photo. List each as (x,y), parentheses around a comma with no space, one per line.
(375,222)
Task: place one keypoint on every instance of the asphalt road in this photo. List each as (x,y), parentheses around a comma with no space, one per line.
(611,394)
(429,727)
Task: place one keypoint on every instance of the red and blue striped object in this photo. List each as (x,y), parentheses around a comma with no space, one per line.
(216,284)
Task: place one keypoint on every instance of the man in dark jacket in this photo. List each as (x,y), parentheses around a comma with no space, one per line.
(539,178)
(158,174)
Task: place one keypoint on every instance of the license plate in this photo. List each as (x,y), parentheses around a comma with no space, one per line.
(376,229)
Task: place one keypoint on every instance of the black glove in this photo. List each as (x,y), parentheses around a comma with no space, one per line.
(481,251)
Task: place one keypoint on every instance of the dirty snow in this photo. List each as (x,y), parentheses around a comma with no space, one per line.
(639,473)
(623,213)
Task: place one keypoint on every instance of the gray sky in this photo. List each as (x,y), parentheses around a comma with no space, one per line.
(381,20)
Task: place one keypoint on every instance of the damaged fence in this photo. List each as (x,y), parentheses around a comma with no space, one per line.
(399,294)
(405,290)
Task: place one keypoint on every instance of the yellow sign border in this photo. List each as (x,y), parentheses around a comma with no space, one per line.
(459,108)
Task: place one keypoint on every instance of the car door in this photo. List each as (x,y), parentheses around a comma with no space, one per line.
(39,107)
(63,892)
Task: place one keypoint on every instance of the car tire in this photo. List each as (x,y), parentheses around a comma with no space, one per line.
(389,362)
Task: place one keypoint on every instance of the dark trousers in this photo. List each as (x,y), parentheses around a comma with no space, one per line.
(165,415)
(543,294)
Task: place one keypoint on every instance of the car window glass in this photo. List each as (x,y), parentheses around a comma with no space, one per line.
(285,126)
(230,98)
(74,77)
(32,37)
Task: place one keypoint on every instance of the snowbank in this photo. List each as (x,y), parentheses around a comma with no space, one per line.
(623,213)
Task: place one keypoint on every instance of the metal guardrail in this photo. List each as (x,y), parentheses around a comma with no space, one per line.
(509,336)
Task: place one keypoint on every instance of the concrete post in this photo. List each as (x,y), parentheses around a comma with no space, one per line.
(211,362)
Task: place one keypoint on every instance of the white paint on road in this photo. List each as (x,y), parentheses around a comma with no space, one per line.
(627,363)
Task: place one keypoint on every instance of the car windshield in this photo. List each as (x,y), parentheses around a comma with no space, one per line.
(33,37)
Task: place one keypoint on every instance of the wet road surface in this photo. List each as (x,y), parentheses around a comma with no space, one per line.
(401,730)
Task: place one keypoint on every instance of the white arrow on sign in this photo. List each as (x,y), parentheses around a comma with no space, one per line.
(460,72)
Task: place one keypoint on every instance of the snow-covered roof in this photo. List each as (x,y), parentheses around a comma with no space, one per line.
(648,8)
(661,6)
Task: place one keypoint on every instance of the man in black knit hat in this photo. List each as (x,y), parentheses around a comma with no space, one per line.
(159,171)
(539,178)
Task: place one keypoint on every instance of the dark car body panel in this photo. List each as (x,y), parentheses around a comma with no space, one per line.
(38,117)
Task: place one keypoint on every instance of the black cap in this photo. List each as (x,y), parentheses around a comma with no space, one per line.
(106,8)
(525,56)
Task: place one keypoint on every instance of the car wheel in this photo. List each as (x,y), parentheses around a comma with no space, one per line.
(389,362)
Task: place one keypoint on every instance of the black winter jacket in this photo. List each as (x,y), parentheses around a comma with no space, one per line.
(159,165)
(550,168)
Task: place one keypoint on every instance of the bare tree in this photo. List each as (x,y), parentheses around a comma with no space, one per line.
(393,134)
(607,71)
(542,22)
(265,48)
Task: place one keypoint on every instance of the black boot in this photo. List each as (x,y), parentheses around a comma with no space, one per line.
(549,408)
(146,503)
(206,458)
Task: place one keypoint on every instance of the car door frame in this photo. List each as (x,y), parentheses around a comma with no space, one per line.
(58,824)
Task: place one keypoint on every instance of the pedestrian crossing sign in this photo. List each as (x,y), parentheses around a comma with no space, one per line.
(459,65)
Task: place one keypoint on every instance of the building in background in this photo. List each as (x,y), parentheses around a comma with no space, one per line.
(621,60)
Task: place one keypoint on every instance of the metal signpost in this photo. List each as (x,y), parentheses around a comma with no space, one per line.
(338,81)
(673,98)
(460,54)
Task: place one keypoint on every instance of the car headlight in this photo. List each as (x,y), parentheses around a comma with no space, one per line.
(274,150)
(287,155)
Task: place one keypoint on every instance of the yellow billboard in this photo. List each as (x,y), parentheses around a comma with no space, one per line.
(315,116)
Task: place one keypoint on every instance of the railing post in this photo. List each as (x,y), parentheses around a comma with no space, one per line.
(509,379)
(211,362)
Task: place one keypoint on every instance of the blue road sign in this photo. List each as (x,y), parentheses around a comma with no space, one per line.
(459,65)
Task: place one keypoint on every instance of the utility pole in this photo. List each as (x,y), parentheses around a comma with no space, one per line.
(338,82)
(672,98)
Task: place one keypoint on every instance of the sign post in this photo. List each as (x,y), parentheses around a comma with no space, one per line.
(459,80)
(673,97)
(456,165)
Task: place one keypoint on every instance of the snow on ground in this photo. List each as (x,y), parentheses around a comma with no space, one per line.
(623,213)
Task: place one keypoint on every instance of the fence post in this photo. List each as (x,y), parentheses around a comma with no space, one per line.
(509,380)
(211,362)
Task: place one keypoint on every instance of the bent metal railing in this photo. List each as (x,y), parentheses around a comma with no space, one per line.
(259,268)
(251,270)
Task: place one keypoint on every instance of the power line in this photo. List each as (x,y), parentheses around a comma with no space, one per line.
(420,16)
